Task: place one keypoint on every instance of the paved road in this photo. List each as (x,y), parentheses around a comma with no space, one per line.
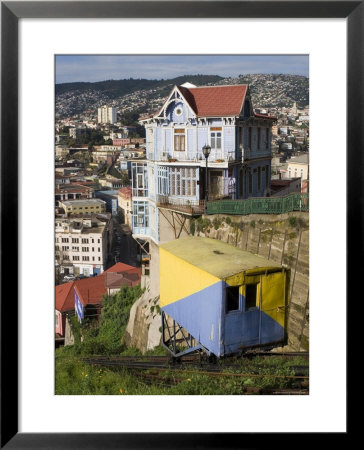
(125,248)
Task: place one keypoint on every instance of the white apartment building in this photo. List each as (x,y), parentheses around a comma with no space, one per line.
(106,114)
(81,245)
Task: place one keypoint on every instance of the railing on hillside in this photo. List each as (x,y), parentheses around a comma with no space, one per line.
(260,205)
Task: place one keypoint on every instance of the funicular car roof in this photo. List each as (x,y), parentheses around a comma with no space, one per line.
(216,257)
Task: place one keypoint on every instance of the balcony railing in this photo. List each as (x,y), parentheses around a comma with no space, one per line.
(191,207)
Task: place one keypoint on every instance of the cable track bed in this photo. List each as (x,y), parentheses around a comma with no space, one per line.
(164,371)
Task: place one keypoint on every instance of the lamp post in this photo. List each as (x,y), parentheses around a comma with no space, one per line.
(206,149)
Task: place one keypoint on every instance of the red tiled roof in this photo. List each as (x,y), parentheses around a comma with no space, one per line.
(121,267)
(92,289)
(64,297)
(116,280)
(215,100)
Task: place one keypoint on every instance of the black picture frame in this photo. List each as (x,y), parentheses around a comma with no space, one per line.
(11,12)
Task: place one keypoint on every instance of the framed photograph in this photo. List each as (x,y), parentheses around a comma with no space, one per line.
(330,33)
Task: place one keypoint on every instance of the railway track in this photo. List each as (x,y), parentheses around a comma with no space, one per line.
(162,371)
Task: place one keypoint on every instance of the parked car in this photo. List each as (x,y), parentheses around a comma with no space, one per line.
(69,277)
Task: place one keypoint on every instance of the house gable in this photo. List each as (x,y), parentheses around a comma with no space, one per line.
(176,109)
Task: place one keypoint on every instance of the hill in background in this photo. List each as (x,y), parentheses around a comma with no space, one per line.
(146,96)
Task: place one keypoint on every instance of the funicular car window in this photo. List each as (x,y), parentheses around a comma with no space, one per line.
(232,298)
(250,296)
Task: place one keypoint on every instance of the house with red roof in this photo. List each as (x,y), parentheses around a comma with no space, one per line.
(84,297)
(176,173)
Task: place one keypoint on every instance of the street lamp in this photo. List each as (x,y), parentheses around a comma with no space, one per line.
(206,149)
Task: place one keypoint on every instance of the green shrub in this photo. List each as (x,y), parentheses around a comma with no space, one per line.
(292,221)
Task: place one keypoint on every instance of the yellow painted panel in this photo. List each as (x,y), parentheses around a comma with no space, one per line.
(235,280)
(180,279)
(273,296)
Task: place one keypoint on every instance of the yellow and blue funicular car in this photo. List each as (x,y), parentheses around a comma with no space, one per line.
(219,299)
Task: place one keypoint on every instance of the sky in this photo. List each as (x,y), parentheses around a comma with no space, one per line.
(71,68)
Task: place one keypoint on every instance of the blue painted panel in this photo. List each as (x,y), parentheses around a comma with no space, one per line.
(229,139)
(78,305)
(190,142)
(270,330)
(96,271)
(200,315)
(202,138)
(158,140)
(249,329)
(168,144)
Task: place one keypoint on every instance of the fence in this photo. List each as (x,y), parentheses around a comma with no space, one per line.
(261,205)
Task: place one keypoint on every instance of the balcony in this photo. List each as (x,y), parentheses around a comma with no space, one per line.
(190,207)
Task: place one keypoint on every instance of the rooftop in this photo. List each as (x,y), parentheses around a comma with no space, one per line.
(85,202)
(215,100)
(92,289)
(215,257)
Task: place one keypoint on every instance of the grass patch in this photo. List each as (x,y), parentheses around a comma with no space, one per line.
(73,377)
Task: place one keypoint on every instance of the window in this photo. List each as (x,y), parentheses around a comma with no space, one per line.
(65,247)
(84,241)
(85,258)
(250,296)
(76,258)
(75,249)
(64,239)
(259,178)
(140,179)
(258,131)
(249,138)
(183,181)
(85,249)
(179,140)
(140,215)
(215,134)
(267,138)
(232,298)
(74,240)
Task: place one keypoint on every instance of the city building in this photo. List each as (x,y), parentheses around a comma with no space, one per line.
(298,166)
(110,197)
(71,191)
(83,206)
(125,202)
(82,244)
(106,114)
(176,176)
